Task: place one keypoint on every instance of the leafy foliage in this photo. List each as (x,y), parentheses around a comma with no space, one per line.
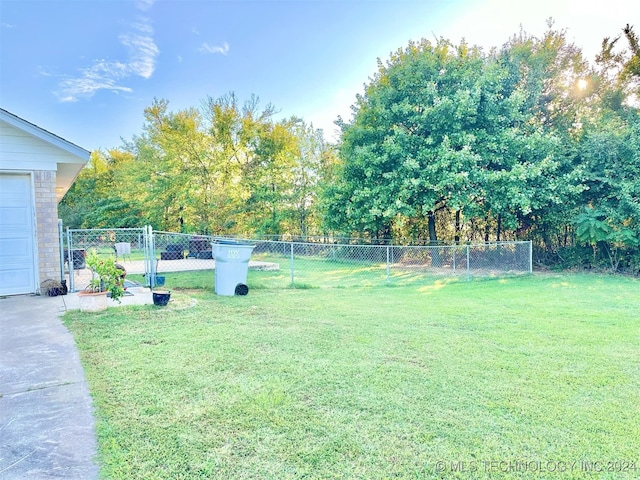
(107,277)
(226,168)
(592,227)
(444,127)
(446,143)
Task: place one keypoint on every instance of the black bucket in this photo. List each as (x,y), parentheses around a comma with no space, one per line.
(241,289)
(161,298)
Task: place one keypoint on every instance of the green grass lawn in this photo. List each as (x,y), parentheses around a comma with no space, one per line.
(512,378)
(310,272)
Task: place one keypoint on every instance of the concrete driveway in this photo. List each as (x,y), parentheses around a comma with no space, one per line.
(46,415)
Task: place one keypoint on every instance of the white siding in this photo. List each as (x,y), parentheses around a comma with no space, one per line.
(21,151)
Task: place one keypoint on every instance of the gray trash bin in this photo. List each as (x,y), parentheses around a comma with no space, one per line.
(232,265)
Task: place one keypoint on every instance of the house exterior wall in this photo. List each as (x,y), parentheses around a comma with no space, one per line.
(27,147)
(47,225)
(53,164)
(21,151)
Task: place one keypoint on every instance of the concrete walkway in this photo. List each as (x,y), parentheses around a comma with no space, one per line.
(46,414)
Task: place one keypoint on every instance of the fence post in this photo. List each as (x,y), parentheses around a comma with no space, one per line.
(152,257)
(147,241)
(61,241)
(291,264)
(388,265)
(468,265)
(530,256)
(455,249)
(143,242)
(72,283)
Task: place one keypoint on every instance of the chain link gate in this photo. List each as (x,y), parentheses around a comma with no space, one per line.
(130,247)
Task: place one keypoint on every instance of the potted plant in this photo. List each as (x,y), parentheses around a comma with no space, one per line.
(161,297)
(106,279)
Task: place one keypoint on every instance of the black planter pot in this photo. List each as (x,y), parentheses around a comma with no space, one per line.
(161,298)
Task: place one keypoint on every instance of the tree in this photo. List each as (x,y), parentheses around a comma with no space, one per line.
(226,168)
(549,106)
(609,153)
(283,176)
(103,195)
(314,160)
(194,163)
(444,128)
(407,154)
(268,176)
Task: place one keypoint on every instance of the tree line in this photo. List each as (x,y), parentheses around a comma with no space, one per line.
(226,168)
(448,143)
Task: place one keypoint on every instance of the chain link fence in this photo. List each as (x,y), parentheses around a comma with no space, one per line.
(178,260)
(346,265)
(128,247)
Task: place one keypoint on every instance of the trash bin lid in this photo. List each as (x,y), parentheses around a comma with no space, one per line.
(230,241)
(226,241)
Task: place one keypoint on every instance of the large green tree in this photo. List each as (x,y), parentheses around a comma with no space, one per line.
(227,167)
(548,74)
(406,153)
(104,194)
(609,219)
(445,128)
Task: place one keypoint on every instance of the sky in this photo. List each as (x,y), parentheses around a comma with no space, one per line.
(86,69)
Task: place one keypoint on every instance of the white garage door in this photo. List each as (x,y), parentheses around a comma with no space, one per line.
(17,263)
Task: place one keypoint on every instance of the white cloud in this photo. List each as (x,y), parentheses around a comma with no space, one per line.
(44,72)
(8,25)
(206,48)
(111,74)
(102,75)
(143,50)
(144,5)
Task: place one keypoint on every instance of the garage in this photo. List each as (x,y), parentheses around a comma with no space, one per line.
(37,168)
(17,252)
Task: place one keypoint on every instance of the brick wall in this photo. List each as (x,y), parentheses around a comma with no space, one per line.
(47,224)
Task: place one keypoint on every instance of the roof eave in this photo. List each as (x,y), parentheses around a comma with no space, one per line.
(45,135)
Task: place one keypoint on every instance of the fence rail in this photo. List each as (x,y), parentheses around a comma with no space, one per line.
(186,260)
